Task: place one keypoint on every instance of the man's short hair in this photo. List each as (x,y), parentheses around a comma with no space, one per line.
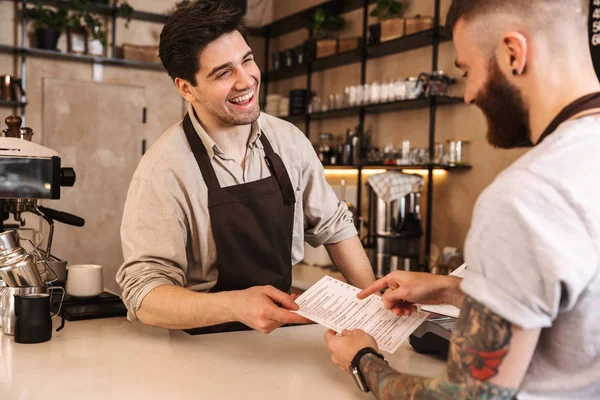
(189,30)
(470,9)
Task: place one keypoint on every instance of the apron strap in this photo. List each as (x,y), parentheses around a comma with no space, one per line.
(206,168)
(278,170)
(580,105)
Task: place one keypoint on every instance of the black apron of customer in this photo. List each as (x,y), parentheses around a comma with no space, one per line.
(580,105)
(252,225)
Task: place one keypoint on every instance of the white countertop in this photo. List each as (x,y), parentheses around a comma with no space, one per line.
(116,359)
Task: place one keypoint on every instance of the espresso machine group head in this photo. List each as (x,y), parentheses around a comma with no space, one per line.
(29,172)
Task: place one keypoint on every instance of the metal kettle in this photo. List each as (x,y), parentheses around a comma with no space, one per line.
(9,86)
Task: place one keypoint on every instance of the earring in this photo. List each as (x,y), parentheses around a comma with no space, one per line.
(515,72)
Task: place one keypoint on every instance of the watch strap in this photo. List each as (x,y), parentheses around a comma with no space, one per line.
(361,353)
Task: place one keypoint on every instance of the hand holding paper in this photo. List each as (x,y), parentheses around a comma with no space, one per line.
(334,304)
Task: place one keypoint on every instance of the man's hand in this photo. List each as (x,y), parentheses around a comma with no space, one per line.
(344,348)
(407,288)
(265,308)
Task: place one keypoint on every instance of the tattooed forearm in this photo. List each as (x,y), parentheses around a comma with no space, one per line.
(479,345)
(388,384)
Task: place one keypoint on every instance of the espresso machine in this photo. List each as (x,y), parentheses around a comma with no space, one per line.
(394,232)
(29,172)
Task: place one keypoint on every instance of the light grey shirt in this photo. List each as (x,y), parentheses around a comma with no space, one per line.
(166,230)
(534,258)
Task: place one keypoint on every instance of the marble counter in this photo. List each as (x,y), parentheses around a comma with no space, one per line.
(116,359)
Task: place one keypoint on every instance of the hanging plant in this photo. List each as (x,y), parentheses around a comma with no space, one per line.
(124,10)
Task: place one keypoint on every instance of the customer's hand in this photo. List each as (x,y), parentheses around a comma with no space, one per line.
(266,308)
(407,288)
(343,348)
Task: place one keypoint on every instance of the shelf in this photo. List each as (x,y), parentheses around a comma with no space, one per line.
(294,118)
(424,167)
(57,55)
(339,113)
(321,64)
(11,104)
(403,105)
(287,73)
(340,167)
(298,21)
(420,167)
(337,60)
(106,9)
(406,43)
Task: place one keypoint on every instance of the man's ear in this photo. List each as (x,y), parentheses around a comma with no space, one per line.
(185,89)
(512,54)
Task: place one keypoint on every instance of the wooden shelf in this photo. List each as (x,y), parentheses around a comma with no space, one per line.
(406,43)
(57,55)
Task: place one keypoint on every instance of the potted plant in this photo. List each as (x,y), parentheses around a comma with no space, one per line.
(49,25)
(77,34)
(389,14)
(321,27)
(97,35)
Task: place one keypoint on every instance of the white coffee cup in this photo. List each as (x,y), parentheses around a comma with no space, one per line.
(84,280)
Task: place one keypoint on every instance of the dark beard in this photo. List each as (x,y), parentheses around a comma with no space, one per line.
(506,112)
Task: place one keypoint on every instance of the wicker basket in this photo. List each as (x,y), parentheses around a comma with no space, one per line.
(414,25)
(135,52)
(326,47)
(392,28)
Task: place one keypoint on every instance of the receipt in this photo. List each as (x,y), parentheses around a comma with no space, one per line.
(333,304)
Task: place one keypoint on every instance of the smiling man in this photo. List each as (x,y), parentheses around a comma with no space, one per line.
(219,208)
(528,326)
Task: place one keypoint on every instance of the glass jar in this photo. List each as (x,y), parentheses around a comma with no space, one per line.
(339,101)
(400,89)
(315,105)
(375,92)
(331,103)
(458,152)
(366,97)
(385,93)
(352,102)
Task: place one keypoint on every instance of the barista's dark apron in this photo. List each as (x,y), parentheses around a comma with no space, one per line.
(580,105)
(252,225)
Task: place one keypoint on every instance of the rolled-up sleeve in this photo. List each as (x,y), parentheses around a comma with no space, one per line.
(153,236)
(326,219)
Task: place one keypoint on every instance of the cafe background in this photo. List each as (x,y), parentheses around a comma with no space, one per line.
(100,113)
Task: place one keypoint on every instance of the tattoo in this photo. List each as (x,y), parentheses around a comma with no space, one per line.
(479,344)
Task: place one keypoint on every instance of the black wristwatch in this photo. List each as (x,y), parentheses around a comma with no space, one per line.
(356,374)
